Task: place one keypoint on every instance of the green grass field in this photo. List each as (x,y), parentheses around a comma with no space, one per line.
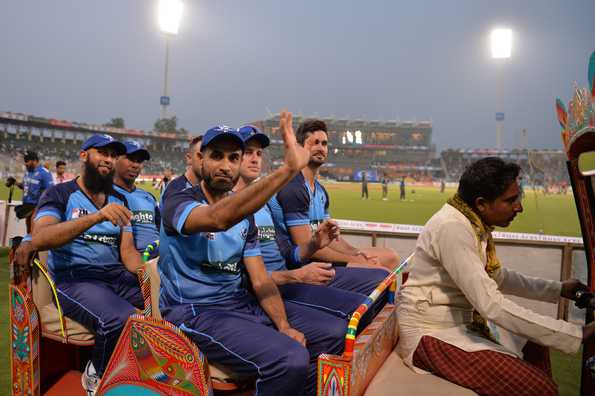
(552,214)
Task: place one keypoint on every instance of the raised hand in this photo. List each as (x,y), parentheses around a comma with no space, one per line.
(326,232)
(115,213)
(296,156)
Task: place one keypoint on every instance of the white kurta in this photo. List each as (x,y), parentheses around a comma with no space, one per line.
(447,280)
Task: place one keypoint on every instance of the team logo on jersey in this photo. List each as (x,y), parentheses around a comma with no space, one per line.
(143,217)
(244,233)
(266,233)
(78,212)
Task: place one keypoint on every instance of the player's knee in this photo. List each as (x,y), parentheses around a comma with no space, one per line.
(116,319)
(390,258)
(294,364)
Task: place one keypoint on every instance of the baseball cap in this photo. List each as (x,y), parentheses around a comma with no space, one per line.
(103,140)
(133,146)
(249,132)
(221,132)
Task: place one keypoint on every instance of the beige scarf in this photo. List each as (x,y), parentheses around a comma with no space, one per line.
(481,230)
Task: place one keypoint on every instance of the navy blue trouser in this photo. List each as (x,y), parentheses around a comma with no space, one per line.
(241,337)
(342,295)
(102,301)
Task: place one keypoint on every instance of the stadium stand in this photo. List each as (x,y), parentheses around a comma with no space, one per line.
(55,139)
(545,168)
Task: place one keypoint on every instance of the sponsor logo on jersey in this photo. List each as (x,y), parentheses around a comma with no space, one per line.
(266,233)
(219,266)
(104,239)
(143,217)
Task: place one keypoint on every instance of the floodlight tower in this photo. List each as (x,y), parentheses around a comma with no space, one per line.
(501,40)
(170,13)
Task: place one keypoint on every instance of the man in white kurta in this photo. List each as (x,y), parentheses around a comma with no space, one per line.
(448,281)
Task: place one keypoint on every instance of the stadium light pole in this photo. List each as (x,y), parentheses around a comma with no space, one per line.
(501,45)
(170,14)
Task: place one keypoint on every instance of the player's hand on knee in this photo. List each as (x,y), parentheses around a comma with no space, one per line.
(115,213)
(294,334)
(326,232)
(368,258)
(296,156)
(317,273)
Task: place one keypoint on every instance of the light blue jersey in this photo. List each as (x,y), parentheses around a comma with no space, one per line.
(95,250)
(35,183)
(206,267)
(295,205)
(267,237)
(145,216)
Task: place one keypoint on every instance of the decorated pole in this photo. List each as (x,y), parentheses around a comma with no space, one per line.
(388,282)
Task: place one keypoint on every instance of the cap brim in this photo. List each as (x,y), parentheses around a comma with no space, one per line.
(261,138)
(146,155)
(225,136)
(119,147)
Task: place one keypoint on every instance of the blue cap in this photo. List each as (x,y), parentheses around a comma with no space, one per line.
(221,132)
(102,140)
(133,146)
(250,132)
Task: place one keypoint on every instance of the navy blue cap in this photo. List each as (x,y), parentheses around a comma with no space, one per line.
(133,146)
(221,132)
(102,140)
(250,132)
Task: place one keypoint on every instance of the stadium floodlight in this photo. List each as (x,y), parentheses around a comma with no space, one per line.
(501,40)
(170,14)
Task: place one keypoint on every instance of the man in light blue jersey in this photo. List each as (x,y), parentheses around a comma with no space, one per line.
(308,284)
(145,211)
(303,204)
(85,225)
(37,179)
(209,242)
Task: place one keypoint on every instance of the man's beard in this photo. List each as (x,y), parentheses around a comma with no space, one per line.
(219,187)
(95,182)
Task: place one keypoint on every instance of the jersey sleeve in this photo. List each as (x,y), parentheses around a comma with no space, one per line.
(295,203)
(326,204)
(177,208)
(47,180)
(252,246)
(52,203)
(157,216)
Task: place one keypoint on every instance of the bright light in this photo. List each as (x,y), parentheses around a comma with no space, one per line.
(501,43)
(349,136)
(358,137)
(170,13)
